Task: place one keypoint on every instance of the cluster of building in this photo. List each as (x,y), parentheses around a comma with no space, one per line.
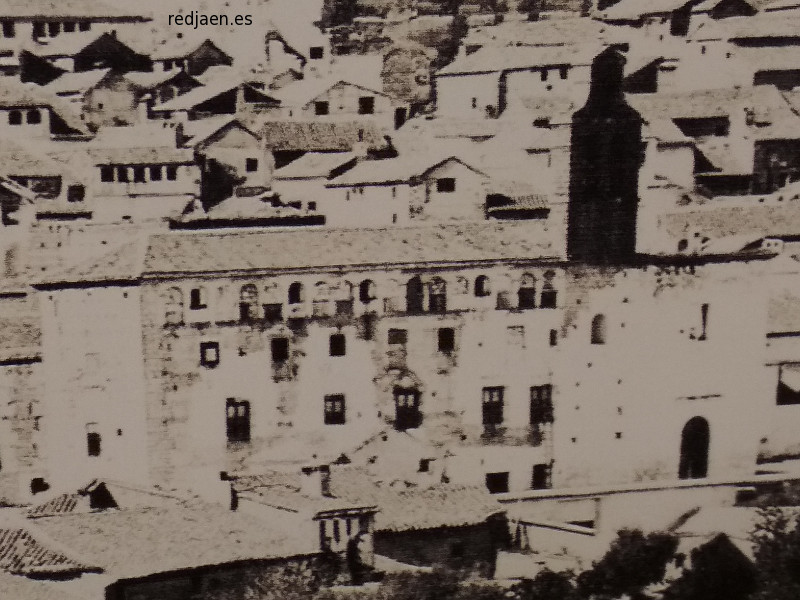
(378,309)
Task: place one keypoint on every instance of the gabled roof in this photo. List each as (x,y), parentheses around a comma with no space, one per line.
(149,80)
(709,5)
(206,92)
(320,136)
(314,164)
(75,83)
(403,169)
(183,253)
(201,132)
(494,60)
(300,93)
(23,95)
(22,554)
(181,48)
(633,10)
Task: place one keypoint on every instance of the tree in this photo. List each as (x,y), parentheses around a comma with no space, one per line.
(633,562)
(547,585)
(776,542)
(448,47)
(719,571)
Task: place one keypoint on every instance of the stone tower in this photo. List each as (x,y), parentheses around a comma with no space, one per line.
(606,154)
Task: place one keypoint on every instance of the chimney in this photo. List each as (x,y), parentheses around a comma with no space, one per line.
(315,481)
(144,108)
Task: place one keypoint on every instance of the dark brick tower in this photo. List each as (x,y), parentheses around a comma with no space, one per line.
(605,159)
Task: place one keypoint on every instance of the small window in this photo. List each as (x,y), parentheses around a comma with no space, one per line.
(337,345)
(316,52)
(497,483)
(474,103)
(563,72)
(8,29)
(237,420)
(139,174)
(599,329)
(296,293)
(366,105)
(209,354)
(482,287)
(122,174)
(93,443)
(172,173)
(84,26)
(540,479)
(437,295)
(541,404)
(334,409)
(703,322)
(447,339)
(544,74)
(251,165)
(53,28)
(321,108)
(554,337)
(493,405)
(197,298)
(398,336)
(445,185)
(311,206)
(366,291)
(273,313)
(248,303)
(549,296)
(107,174)
(76,193)
(33,116)
(15,117)
(38,29)
(526,296)
(424,465)
(70,26)
(155,173)
(280,349)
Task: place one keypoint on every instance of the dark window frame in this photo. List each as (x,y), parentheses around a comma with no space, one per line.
(445,185)
(322,108)
(279,349)
(366,105)
(337,344)
(446,340)
(335,409)
(209,354)
(492,405)
(237,420)
(251,165)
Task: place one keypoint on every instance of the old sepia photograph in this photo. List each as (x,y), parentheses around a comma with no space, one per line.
(400,300)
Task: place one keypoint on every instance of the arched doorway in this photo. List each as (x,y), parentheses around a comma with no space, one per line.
(694,449)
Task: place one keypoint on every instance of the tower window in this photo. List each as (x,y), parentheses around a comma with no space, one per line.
(296,293)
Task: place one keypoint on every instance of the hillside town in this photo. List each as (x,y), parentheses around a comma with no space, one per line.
(366,293)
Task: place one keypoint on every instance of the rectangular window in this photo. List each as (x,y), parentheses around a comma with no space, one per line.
(15,117)
(237,420)
(407,413)
(337,345)
(209,354)
(76,193)
(70,26)
(155,173)
(172,173)
(321,108)
(540,478)
(53,28)
(554,337)
(366,105)
(251,165)
(107,174)
(563,72)
(704,322)
(122,174)
(93,443)
(8,29)
(316,52)
(541,404)
(38,29)
(139,175)
(84,25)
(493,406)
(280,349)
(273,313)
(497,483)
(334,409)
(197,299)
(446,185)
(398,336)
(447,339)
(544,74)
(788,385)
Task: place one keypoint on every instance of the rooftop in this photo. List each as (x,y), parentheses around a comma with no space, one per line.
(87,9)
(318,136)
(314,164)
(494,60)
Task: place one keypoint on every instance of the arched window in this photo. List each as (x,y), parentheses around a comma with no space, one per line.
(414,296)
(599,329)
(296,293)
(248,303)
(482,286)
(549,296)
(366,291)
(173,313)
(526,295)
(438,295)
(694,449)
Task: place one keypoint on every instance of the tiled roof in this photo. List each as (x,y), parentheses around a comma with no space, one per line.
(320,248)
(202,129)
(22,554)
(393,170)
(124,263)
(319,136)
(551,32)
(494,60)
(141,155)
(75,82)
(133,543)
(63,503)
(14,94)
(206,92)
(303,91)
(404,506)
(314,164)
(88,9)
(20,161)
(149,80)
(723,159)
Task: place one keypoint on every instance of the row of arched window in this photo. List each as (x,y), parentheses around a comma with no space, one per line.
(421,297)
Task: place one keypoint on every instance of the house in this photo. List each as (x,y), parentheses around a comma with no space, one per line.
(163,86)
(223,97)
(304,179)
(492,80)
(401,190)
(329,99)
(26,110)
(89,51)
(192,57)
